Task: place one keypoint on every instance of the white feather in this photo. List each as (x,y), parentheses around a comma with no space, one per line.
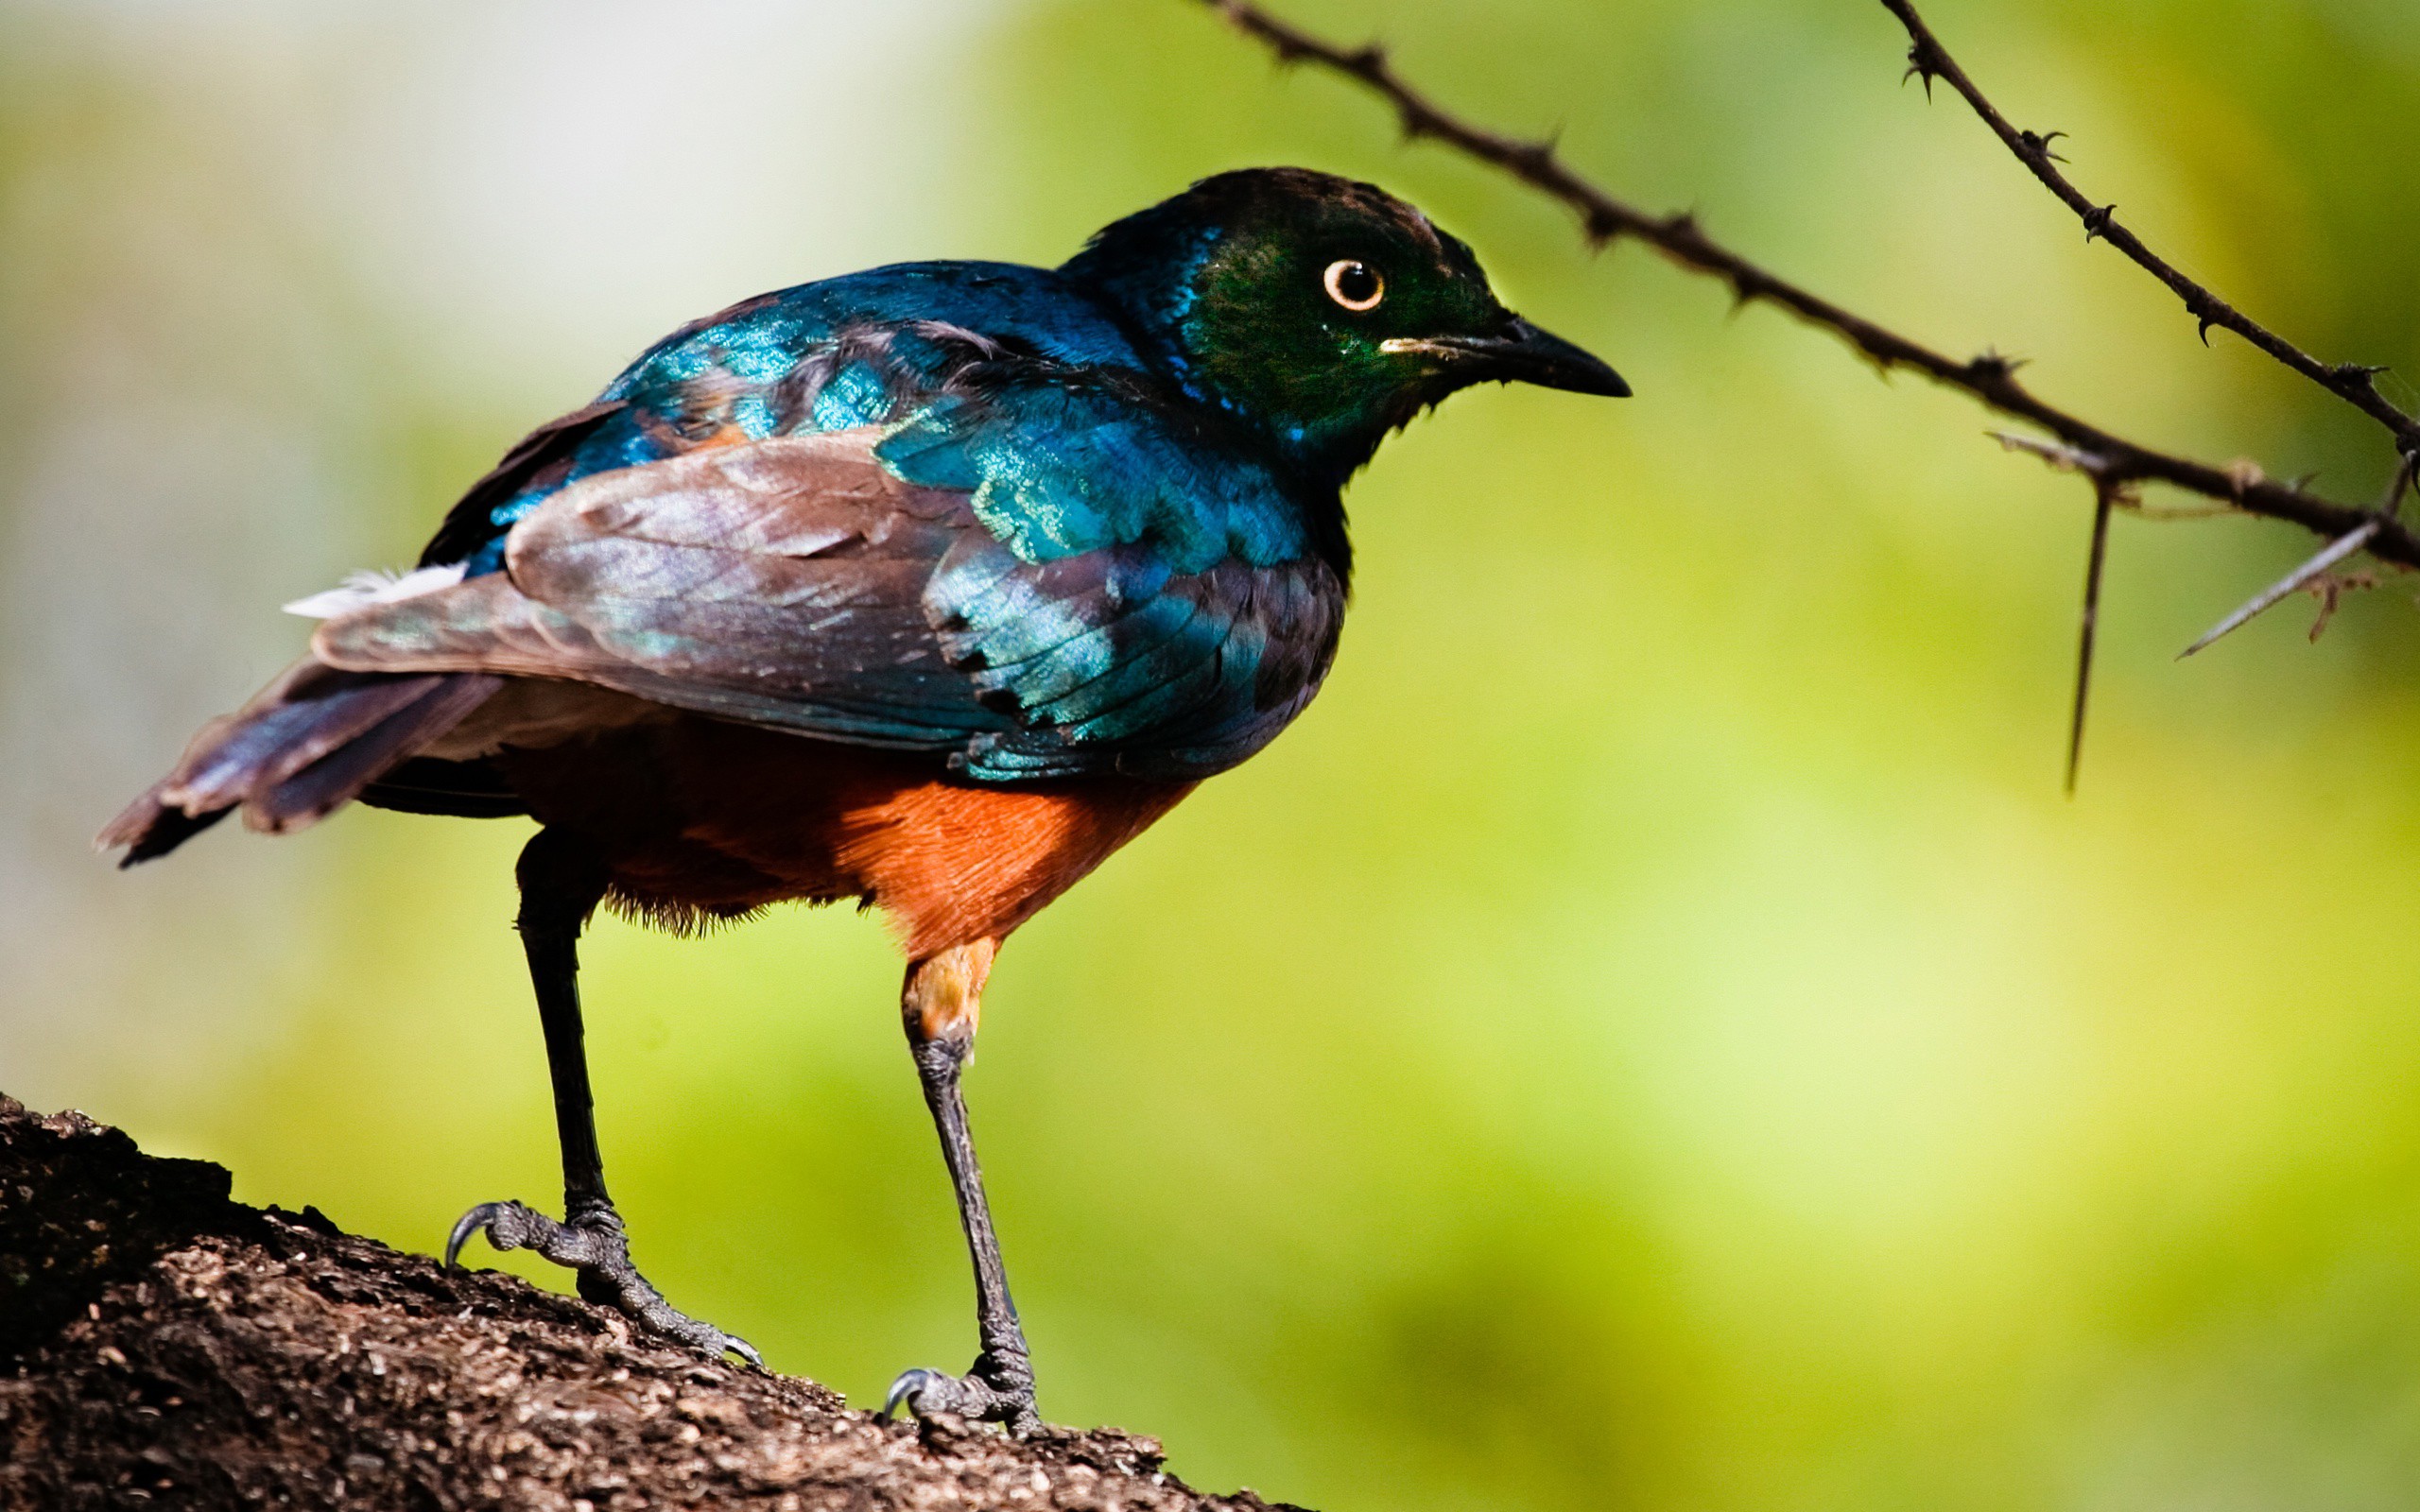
(362,588)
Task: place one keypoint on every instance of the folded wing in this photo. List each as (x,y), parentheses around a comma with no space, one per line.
(797,582)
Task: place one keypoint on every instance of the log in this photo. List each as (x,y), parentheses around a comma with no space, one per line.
(164,1346)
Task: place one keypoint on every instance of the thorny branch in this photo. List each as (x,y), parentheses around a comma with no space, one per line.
(2110,460)
(2317,568)
(2354,383)
(2115,466)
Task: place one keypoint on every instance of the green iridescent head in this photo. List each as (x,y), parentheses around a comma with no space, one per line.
(1322,311)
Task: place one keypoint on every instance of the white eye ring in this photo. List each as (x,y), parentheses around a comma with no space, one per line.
(1347,268)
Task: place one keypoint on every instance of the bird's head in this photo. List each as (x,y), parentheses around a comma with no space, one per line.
(1321,311)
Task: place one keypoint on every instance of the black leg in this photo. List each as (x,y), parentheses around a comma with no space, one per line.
(559,888)
(561,885)
(941,1005)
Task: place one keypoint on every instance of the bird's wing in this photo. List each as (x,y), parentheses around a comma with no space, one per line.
(799,583)
(860,349)
(537,464)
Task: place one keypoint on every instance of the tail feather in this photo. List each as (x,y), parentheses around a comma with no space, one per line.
(283,731)
(328,783)
(166,829)
(304,746)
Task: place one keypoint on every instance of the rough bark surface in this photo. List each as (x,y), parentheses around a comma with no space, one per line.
(164,1346)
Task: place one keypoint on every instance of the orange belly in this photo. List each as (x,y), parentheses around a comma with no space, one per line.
(699,820)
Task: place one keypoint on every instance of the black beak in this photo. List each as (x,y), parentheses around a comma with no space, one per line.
(1520,354)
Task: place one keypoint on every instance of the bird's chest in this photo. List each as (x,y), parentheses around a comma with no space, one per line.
(700,819)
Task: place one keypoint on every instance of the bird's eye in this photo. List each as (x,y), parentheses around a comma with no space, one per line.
(1355,285)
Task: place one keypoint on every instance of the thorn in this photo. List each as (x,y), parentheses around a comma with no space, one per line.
(2358,372)
(2040,142)
(2328,555)
(1417,120)
(2104,498)
(1989,363)
(2096,222)
(1922,64)
(2058,454)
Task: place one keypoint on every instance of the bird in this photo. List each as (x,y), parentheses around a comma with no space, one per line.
(927,587)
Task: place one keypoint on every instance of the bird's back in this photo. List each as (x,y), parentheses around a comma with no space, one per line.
(1111,579)
(828,355)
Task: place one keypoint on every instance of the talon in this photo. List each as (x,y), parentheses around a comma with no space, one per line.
(974,1397)
(909,1384)
(500,1221)
(594,1245)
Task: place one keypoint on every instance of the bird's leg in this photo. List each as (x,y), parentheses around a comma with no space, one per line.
(561,885)
(941,1005)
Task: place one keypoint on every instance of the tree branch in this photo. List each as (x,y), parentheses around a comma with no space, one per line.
(161,1345)
(2114,461)
(2319,565)
(2353,382)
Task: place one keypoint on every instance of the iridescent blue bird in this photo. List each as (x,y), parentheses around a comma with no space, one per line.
(927,587)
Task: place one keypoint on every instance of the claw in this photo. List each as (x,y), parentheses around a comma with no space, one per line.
(970,1396)
(594,1245)
(909,1384)
(487,1215)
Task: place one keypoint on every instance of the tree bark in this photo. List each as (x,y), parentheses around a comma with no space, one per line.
(164,1346)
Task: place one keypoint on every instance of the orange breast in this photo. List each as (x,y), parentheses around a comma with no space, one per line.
(956,862)
(701,819)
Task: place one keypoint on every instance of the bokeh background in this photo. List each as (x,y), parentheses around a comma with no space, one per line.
(1654,1036)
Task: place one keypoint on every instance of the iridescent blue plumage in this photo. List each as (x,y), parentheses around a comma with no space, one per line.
(1137,560)
(1016,387)
(824,356)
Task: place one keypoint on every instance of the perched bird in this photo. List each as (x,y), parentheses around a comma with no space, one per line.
(929,587)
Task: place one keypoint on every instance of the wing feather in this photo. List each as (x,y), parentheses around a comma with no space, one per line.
(798,582)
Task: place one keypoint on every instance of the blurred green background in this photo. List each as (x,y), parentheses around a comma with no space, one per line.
(1654,1036)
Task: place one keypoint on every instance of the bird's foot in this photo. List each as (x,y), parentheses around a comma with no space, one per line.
(999,1389)
(593,1244)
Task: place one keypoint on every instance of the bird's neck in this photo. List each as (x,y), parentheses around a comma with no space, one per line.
(1148,280)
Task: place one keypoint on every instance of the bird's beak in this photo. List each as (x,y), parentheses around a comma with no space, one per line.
(1519,353)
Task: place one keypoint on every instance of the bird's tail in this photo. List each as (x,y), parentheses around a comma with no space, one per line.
(304,746)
